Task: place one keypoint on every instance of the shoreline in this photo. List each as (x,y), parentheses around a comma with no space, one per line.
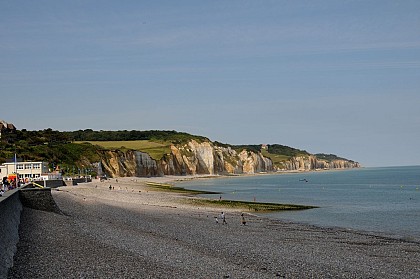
(133,232)
(186,201)
(189,197)
(262,214)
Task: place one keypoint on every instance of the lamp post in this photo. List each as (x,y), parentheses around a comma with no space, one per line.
(16,173)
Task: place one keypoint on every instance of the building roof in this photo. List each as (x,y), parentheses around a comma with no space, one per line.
(6,127)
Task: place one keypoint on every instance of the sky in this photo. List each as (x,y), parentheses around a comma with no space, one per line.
(339,77)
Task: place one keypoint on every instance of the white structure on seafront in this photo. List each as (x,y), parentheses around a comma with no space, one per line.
(26,170)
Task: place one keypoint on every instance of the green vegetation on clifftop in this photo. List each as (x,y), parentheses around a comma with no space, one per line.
(330,157)
(153,135)
(276,152)
(49,146)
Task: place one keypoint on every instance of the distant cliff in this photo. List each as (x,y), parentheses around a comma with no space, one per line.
(312,162)
(154,153)
(207,158)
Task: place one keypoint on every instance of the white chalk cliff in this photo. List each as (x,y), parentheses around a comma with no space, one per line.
(207,158)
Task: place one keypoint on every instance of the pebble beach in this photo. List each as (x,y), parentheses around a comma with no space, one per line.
(133,231)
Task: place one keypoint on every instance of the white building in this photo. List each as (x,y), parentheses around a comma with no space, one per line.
(26,170)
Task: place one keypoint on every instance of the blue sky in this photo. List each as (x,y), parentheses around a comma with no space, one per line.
(338,77)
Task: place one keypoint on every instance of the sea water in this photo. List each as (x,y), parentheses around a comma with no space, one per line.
(377,200)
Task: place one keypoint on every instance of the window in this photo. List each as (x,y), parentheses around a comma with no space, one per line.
(28,166)
(19,166)
(36,166)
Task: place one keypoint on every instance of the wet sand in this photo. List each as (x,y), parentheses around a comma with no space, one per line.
(134,232)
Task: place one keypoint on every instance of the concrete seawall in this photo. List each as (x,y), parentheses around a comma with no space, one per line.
(10,210)
(75,181)
(50,183)
(11,205)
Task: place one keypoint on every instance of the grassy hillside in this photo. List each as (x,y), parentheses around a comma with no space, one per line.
(286,150)
(277,159)
(330,157)
(155,149)
(75,151)
(153,135)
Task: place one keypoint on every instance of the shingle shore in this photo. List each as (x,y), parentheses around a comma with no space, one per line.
(130,232)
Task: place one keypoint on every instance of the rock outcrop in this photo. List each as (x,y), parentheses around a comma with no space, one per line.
(206,158)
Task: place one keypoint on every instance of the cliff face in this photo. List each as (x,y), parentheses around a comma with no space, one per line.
(255,162)
(205,158)
(307,163)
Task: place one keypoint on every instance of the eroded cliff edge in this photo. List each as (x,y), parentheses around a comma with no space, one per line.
(194,158)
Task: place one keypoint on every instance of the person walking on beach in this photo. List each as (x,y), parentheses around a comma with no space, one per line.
(243,222)
(223,217)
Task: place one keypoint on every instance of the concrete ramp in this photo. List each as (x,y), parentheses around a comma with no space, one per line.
(39,198)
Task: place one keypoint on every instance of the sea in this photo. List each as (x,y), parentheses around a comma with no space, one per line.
(384,201)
